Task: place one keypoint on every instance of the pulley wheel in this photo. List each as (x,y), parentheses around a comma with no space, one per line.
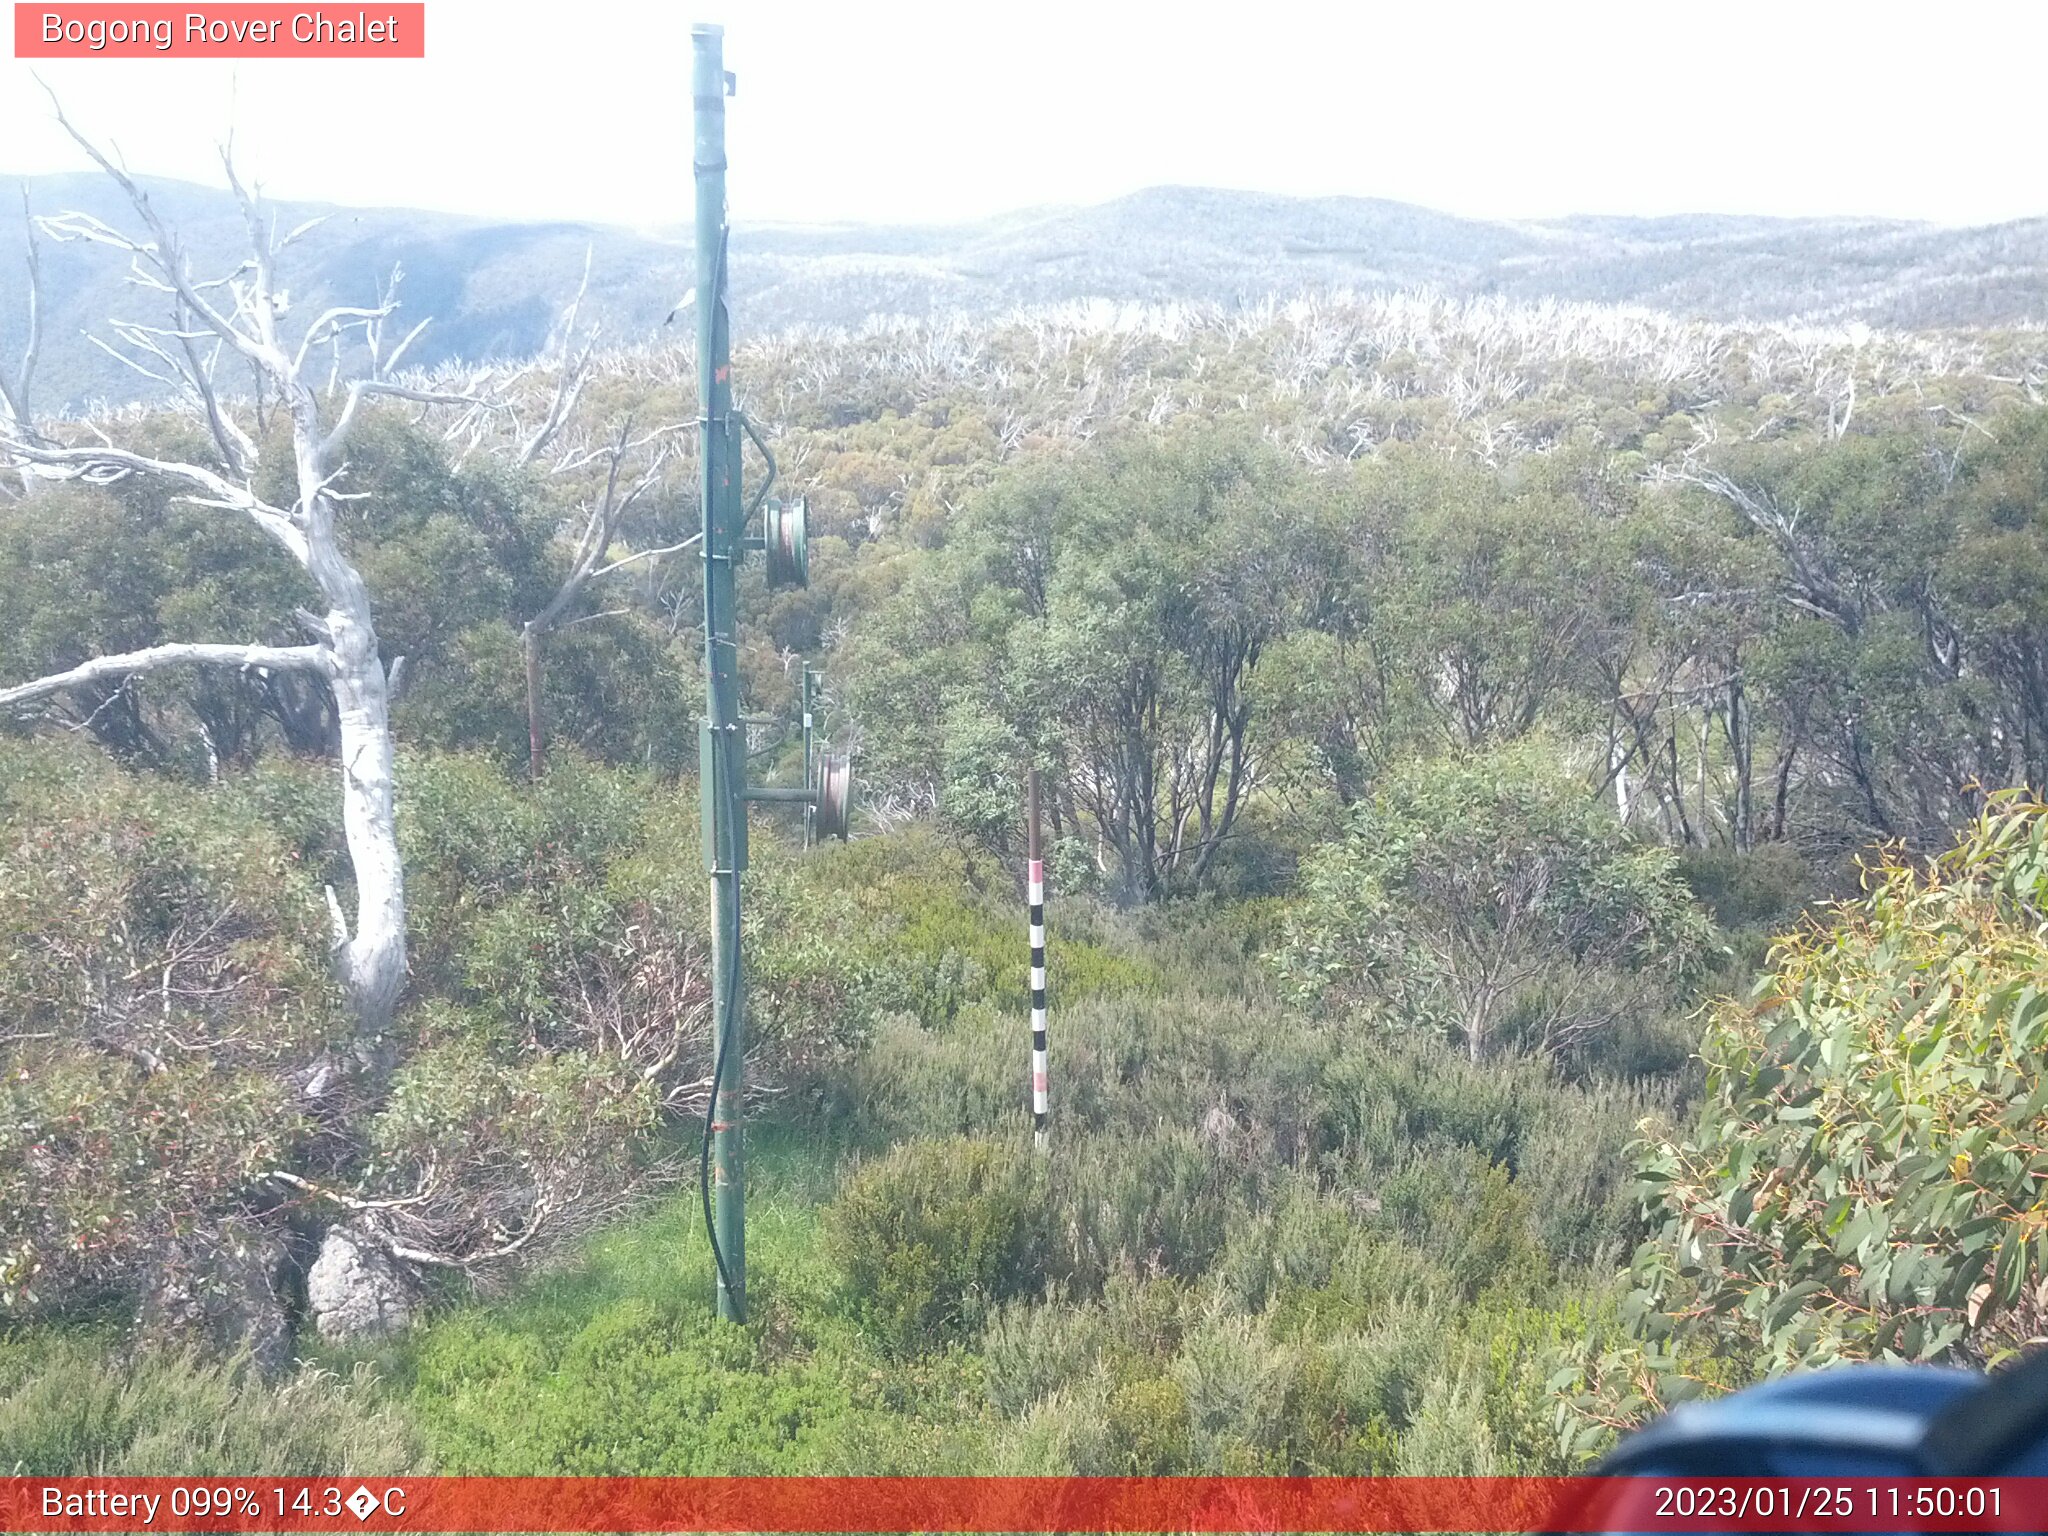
(786,536)
(835,795)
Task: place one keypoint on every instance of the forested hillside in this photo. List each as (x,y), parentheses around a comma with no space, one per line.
(1492,755)
(496,288)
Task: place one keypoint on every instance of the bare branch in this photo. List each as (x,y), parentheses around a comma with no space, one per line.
(570,377)
(170,380)
(405,343)
(237,448)
(359,389)
(274,658)
(353,1202)
(102,464)
(330,325)
(301,231)
(647,554)
(163,255)
(601,522)
(14,392)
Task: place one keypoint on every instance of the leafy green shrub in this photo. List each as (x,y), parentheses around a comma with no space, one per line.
(1234,1380)
(1574,1163)
(1564,1143)
(621,689)
(1319,1428)
(300,801)
(634,1389)
(163,963)
(911,1080)
(1296,1242)
(547,1146)
(1764,888)
(1381,1102)
(1489,899)
(1146,1429)
(475,840)
(1449,1436)
(931,935)
(931,1236)
(1063,1435)
(1754,895)
(1863,1180)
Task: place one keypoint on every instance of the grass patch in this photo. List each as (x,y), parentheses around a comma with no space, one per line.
(74,1403)
(616,1365)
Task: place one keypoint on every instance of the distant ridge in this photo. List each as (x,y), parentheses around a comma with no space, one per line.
(495,288)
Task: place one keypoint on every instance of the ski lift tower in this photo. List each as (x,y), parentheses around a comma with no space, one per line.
(722,737)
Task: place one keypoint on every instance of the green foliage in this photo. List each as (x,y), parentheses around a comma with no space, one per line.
(1261,1289)
(455,558)
(934,1234)
(73,1406)
(1098,613)
(1492,595)
(1863,1178)
(921,929)
(616,1364)
(161,959)
(90,571)
(637,1389)
(1490,900)
(1155,1201)
(1549,708)
(1762,890)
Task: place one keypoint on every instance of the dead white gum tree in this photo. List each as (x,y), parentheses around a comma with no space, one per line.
(643,462)
(15,384)
(237,317)
(630,467)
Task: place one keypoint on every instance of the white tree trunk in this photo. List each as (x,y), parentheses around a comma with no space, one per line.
(1617,760)
(242,311)
(371,956)
(372,963)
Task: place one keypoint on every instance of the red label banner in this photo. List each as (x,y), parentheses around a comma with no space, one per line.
(1051,1504)
(231,31)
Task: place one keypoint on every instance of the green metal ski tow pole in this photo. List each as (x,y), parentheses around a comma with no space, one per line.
(827,792)
(721,741)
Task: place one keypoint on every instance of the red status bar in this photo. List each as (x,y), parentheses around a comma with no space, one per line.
(1052,1504)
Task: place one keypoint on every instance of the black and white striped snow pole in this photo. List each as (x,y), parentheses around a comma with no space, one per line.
(1034,895)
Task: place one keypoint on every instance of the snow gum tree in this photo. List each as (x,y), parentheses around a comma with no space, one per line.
(240,318)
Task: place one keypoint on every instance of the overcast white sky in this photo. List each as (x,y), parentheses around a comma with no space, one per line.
(896,110)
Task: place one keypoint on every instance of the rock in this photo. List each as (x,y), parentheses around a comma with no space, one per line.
(356,1290)
(227,1290)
